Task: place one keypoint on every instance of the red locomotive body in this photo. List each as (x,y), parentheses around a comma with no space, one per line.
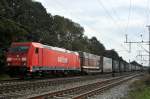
(31,57)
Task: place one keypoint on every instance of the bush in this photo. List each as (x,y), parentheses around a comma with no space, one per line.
(140,89)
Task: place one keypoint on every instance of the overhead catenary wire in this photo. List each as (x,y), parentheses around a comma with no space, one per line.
(144,48)
(70,13)
(109,14)
(115,21)
(115,13)
(147,13)
(128,18)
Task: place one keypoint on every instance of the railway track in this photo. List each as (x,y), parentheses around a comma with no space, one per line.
(27,88)
(19,81)
(62,79)
(13,88)
(85,91)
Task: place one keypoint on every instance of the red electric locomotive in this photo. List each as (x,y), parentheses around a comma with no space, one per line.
(29,58)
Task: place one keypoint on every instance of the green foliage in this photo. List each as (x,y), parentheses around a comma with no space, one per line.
(10,32)
(149,70)
(140,89)
(81,44)
(112,54)
(96,47)
(4,77)
(143,94)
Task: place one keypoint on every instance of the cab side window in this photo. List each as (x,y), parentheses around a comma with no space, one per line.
(37,50)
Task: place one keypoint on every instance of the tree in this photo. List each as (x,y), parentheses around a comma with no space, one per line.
(112,54)
(10,32)
(96,47)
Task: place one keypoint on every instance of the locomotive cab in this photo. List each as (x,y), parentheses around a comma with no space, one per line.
(17,55)
(17,58)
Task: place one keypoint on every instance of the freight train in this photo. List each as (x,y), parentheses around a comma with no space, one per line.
(31,58)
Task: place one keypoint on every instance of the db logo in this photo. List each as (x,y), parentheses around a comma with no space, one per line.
(62,60)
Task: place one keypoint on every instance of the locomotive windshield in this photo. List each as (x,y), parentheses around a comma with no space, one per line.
(19,49)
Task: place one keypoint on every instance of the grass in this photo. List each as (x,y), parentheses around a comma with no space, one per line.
(143,94)
(140,89)
(4,77)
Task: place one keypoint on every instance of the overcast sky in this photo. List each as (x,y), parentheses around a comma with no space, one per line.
(109,21)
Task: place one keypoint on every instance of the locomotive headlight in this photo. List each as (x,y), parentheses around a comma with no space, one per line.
(9,59)
(24,59)
(24,63)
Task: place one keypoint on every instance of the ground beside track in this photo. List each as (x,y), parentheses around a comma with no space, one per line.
(140,89)
(5,77)
(122,91)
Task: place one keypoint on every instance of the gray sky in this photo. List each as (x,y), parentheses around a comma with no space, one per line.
(109,21)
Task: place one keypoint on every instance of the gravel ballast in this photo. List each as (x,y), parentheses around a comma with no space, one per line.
(117,92)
